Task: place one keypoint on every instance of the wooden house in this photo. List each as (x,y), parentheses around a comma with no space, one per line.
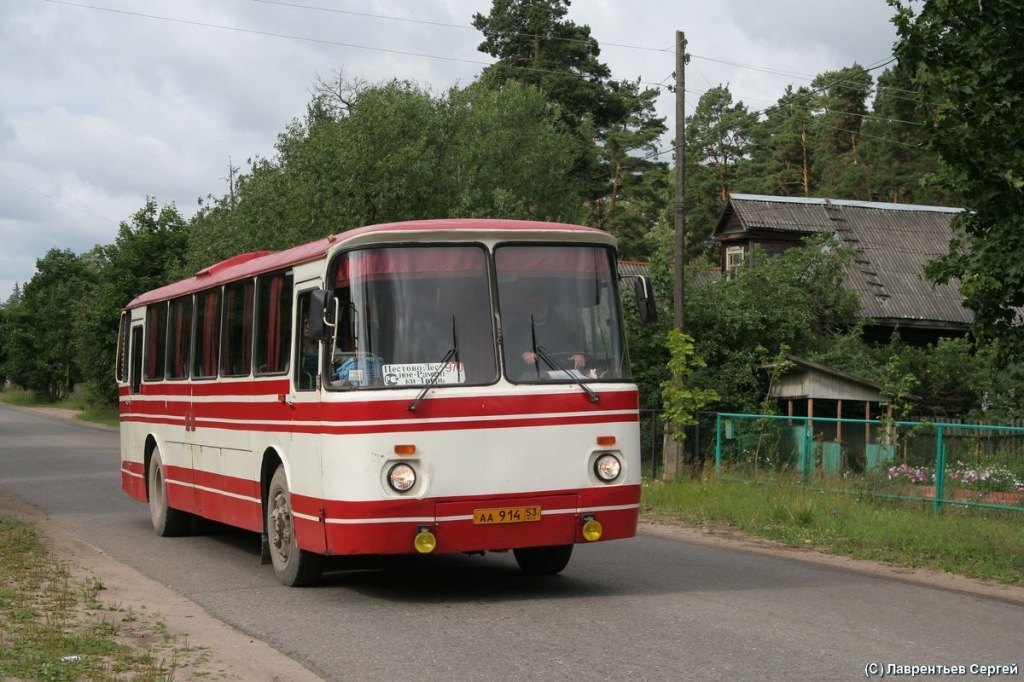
(891,242)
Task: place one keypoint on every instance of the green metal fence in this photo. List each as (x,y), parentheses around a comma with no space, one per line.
(961,464)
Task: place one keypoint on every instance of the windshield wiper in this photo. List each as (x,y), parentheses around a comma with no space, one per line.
(453,352)
(594,397)
(542,353)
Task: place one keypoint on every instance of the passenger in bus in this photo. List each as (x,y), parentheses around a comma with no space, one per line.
(543,329)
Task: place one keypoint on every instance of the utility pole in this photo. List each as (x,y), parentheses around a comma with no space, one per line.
(673,458)
(679,279)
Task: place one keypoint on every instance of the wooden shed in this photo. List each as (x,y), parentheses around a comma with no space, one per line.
(812,390)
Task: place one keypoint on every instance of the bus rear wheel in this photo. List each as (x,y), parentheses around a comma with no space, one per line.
(167,521)
(293,566)
(543,560)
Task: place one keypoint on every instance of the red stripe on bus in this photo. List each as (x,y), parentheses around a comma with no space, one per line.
(391,410)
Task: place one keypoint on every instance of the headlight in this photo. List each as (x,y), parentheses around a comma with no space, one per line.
(607,467)
(401,477)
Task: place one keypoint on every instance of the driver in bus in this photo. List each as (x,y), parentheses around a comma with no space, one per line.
(543,328)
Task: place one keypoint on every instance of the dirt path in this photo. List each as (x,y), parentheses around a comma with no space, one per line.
(219,651)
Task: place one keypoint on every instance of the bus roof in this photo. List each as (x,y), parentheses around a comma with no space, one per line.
(260,262)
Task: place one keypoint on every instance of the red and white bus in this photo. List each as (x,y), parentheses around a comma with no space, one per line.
(431,386)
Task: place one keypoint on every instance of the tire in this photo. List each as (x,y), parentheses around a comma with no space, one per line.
(293,566)
(543,560)
(167,521)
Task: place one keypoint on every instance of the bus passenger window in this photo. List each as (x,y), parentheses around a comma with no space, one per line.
(273,323)
(156,341)
(207,334)
(236,336)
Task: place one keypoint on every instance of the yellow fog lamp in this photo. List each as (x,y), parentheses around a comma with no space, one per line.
(592,528)
(425,541)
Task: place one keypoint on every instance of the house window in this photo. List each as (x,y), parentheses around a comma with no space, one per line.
(733,257)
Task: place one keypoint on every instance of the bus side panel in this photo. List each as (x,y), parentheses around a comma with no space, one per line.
(231,500)
(133,479)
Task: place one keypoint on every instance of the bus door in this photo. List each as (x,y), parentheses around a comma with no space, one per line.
(131,448)
(308,376)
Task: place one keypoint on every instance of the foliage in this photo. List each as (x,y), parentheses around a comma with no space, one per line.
(971,79)
(146,254)
(40,333)
(717,139)
(614,122)
(535,44)
(648,351)
(780,151)
(395,152)
(682,398)
(900,168)
(795,299)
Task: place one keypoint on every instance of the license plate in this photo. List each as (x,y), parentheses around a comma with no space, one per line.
(506,515)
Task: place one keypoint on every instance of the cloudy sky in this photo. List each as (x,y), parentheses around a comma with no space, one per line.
(106,102)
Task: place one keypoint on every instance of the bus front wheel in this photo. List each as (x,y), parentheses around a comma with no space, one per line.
(293,566)
(167,521)
(543,560)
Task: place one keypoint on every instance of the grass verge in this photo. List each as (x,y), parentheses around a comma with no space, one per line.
(977,543)
(53,626)
(86,411)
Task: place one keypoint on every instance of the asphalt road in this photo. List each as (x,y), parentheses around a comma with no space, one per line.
(650,608)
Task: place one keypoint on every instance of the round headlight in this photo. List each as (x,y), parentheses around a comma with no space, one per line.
(607,467)
(401,477)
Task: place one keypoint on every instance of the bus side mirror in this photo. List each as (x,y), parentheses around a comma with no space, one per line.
(646,306)
(323,314)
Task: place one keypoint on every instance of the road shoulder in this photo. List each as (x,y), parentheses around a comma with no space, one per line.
(918,576)
(232,655)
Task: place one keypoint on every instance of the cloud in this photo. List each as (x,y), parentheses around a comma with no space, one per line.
(104,103)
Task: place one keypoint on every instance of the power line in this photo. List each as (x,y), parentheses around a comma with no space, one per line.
(55,199)
(270,34)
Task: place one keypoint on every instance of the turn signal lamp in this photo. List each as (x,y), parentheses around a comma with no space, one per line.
(606,441)
(405,449)
(425,541)
(592,529)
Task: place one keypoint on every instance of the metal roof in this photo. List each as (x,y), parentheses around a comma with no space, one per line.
(893,243)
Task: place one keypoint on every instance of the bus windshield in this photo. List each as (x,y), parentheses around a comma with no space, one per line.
(559,313)
(413,316)
(423,315)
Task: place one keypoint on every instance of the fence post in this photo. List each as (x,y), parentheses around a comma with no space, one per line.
(940,470)
(671,456)
(805,465)
(718,444)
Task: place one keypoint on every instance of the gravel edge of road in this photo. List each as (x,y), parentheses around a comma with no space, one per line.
(232,654)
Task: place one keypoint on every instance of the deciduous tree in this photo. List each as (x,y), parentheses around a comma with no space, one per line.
(968,69)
